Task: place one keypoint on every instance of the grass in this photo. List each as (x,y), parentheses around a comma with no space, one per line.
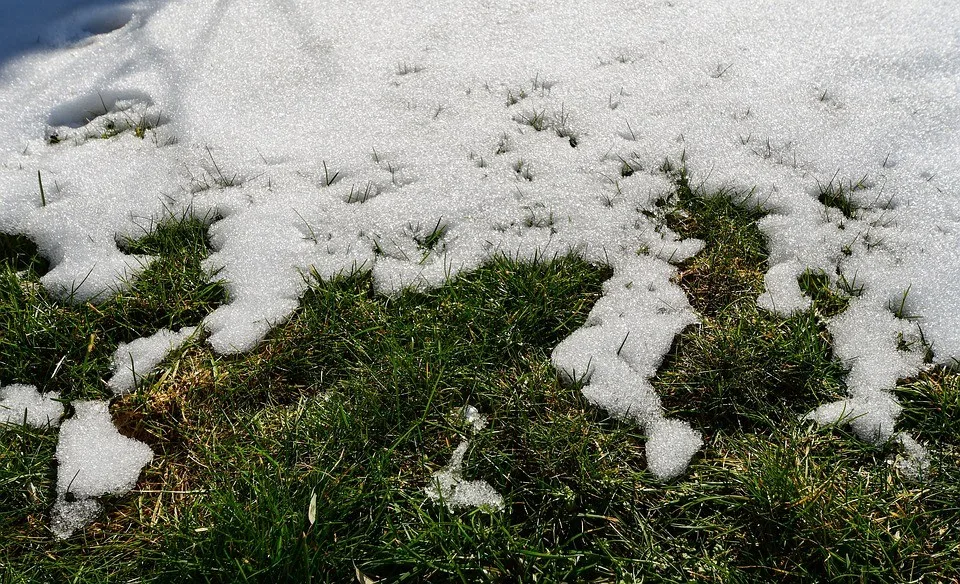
(356,401)
(110,124)
(743,368)
(138,126)
(69,348)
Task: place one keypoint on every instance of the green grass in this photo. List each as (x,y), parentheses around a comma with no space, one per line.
(743,368)
(356,400)
(68,348)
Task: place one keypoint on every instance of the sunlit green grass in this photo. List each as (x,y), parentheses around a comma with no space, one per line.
(356,401)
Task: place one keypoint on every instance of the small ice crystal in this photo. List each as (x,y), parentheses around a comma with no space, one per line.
(472,416)
(915,460)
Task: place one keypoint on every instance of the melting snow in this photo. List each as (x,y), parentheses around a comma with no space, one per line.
(93,459)
(915,461)
(456,492)
(879,349)
(472,416)
(24,404)
(418,139)
(134,361)
(619,349)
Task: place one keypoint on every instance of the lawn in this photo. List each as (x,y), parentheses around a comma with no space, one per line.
(354,403)
(539,291)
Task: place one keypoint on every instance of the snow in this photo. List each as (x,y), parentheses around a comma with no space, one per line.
(24,404)
(879,349)
(915,460)
(449,486)
(93,459)
(472,416)
(325,138)
(670,446)
(619,349)
(135,360)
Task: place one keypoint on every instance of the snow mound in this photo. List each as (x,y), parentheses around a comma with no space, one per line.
(135,360)
(93,459)
(619,350)
(21,404)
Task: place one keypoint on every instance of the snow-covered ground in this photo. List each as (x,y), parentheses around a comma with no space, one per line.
(334,136)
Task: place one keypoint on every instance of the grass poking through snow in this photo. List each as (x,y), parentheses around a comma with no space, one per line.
(357,399)
(68,348)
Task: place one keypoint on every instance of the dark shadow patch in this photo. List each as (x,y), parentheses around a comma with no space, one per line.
(19,253)
(106,20)
(80,111)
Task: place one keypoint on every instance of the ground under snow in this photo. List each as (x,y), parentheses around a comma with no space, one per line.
(354,130)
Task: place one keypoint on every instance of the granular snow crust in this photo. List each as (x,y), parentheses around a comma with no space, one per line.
(419,139)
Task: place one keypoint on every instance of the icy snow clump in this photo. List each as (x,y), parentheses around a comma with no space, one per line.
(472,416)
(93,459)
(24,404)
(135,360)
(456,492)
(915,460)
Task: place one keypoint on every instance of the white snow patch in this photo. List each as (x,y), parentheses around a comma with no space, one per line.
(879,349)
(670,446)
(24,404)
(133,361)
(93,459)
(449,486)
(783,294)
(619,349)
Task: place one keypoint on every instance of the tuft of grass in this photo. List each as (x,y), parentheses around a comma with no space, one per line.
(561,125)
(513,98)
(828,301)
(428,242)
(503,144)
(362,194)
(138,126)
(216,178)
(404,68)
(837,195)
(328,177)
(522,170)
(536,119)
(559,122)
